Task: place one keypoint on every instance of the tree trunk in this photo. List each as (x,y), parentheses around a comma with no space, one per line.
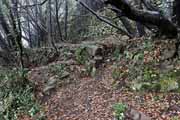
(3,44)
(6,28)
(50,35)
(177,11)
(66,18)
(140,27)
(57,20)
(16,24)
(128,25)
(146,17)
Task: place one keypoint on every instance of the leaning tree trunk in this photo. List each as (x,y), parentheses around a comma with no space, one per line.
(127,24)
(146,17)
(140,27)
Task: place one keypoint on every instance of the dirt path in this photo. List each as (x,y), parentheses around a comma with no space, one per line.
(92,99)
(85,99)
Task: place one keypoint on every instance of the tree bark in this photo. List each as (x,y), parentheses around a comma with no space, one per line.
(6,29)
(146,17)
(139,26)
(176,10)
(128,25)
(66,19)
(57,20)
(3,44)
(50,35)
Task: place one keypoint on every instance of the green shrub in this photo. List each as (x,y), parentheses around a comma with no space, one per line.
(118,73)
(117,54)
(150,75)
(175,118)
(147,45)
(119,109)
(154,81)
(170,81)
(16,96)
(168,85)
(81,55)
(89,68)
(57,69)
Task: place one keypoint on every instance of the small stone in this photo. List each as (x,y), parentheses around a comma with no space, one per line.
(48,88)
(93,72)
(65,75)
(136,115)
(125,37)
(52,81)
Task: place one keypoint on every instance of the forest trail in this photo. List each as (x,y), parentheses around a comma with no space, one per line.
(88,98)
(85,98)
(89,60)
(67,92)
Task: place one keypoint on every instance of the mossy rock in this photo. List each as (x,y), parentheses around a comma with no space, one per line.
(168,85)
(81,55)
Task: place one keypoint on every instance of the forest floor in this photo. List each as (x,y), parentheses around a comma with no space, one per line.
(78,96)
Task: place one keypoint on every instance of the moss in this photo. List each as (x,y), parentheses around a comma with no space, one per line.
(81,55)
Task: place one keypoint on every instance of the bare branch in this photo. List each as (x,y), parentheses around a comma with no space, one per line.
(103,19)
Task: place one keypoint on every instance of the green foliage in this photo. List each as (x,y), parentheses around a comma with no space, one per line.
(66,53)
(169,82)
(90,26)
(128,55)
(154,81)
(175,118)
(117,54)
(139,56)
(166,82)
(98,29)
(119,109)
(82,55)
(89,68)
(150,87)
(147,45)
(150,75)
(57,69)
(16,95)
(118,73)
(140,86)
(168,85)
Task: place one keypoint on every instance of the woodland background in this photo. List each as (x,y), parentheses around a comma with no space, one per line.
(89,59)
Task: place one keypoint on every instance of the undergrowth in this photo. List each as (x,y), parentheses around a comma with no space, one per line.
(119,110)
(81,55)
(139,66)
(16,95)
